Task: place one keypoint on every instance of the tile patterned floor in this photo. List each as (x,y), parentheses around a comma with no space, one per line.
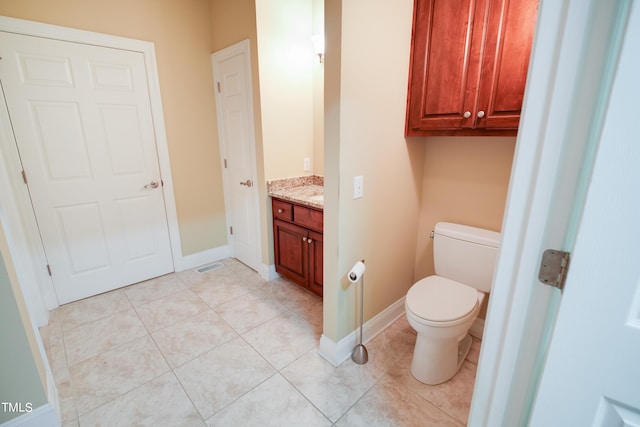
(226,348)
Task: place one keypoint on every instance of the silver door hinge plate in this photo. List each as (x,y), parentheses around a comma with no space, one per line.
(553,268)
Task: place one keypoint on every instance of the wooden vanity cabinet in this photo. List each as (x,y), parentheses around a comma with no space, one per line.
(297,239)
(468,69)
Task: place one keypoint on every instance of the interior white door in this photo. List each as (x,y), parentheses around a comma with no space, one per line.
(83,127)
(234,104)
(592,372)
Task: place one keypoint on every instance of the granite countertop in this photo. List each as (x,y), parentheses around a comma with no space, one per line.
(306,190)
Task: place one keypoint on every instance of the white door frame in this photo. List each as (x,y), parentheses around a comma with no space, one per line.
(15,208)
(240,48)
(554,156)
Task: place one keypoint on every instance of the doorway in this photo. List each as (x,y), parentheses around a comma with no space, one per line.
(234,104)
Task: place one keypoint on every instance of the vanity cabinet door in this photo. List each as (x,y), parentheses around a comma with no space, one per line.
(444,65)
(291,251)
(508,38)
(315,262)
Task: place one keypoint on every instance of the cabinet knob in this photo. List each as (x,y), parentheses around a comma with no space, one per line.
(304,239)
(480,114)
(467,114)
(309,241)
(280,210)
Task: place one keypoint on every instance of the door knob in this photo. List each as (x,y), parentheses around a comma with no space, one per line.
(248,183)
(152,184)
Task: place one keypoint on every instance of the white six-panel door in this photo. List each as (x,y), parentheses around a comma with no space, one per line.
(83,127)
(235,120)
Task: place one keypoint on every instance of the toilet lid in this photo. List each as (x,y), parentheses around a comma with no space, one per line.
(438,299)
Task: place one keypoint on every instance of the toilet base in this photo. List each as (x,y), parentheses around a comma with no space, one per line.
(435,364)
(463,349)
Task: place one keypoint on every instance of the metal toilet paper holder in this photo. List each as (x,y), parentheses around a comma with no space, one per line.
(359,354)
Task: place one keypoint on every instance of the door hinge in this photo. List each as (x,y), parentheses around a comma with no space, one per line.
(24,177)
(554,267)
(231,230)
(219,88)
(225,163)
(49,270)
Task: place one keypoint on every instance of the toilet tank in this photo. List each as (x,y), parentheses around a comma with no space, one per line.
(465,254)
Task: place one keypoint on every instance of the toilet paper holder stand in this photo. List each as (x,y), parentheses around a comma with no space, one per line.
(360,354)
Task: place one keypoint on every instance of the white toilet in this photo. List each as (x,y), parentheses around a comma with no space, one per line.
(441,308)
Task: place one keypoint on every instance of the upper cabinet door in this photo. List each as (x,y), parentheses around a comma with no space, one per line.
(468,68)
(509,34)
(444,64)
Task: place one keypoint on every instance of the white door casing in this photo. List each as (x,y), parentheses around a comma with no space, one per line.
(592,376)
(114,110)
(234,105)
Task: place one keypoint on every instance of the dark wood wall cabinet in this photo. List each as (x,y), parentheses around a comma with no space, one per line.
(297,238)
(468,69)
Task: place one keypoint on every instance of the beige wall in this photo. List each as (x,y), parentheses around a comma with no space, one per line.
(333,301)
(181,34)
(465,181)
(318,93)
(365,108)
(286,62)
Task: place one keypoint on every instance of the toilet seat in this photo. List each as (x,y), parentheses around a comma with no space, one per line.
(441,302)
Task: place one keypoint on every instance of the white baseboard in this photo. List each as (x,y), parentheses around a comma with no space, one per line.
(41,416)
(203,257)
(336,353)
(52,391)
(268,272)
(382,320)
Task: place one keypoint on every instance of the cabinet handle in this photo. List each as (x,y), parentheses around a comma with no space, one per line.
(280,210)
(480,114)
(467,114)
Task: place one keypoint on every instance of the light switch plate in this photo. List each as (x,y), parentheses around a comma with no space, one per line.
(358,187)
